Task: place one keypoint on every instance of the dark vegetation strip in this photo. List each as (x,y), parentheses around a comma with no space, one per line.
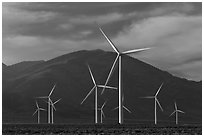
(85,129)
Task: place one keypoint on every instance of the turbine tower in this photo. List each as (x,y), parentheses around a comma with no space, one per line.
(96,86)
(176,111)
(38,111)
(53,107)
(48,107)
(102,113)
(156,101)
(119,58)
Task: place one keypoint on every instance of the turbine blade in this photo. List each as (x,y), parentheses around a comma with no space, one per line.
(111,87)
(109,41)
(52,104)
(180,111)
(115,108)
(159,89)
(127,109)
(172,113)
(135,50)
(54,107)
(42,109)
(56,101)
(36,104)
(159,104)
(42,97)
(103,86)
(175,106)
(91,75)
(103,105)
(110,73)
(88,94)
(52,90)
(103,113)
(148,97)
(35,112)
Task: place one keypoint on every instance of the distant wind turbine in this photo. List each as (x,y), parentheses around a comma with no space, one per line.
(156,101)
(53,107)
(102,113)
(48,97)
(176,111)
(38,111)
(119,57)
(96,86)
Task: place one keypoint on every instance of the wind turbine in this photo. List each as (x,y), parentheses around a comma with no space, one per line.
(53,107)
(119,57)
(96,86)
(38,111)
(102,113)
(48,97)
(176,111)
(156,101)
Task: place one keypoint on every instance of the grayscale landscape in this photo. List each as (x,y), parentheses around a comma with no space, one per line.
(102,68)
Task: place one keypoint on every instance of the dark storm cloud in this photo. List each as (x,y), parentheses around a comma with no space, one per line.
(80,8)
(65,20)
(41,31)
(97,8)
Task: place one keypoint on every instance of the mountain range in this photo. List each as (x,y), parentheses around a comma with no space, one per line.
(23,82)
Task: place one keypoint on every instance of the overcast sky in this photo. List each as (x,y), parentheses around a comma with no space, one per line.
(42,31)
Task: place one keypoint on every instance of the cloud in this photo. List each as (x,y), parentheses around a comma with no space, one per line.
(177,41)
(21,41)
(21,16)
(65,26)
(66,20)
(101,19)
(14,18)
(172,8)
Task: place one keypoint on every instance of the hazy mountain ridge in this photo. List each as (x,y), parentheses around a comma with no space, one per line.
(73,83)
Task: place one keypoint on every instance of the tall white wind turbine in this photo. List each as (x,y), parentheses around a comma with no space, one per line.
(119,57)
(176,111)
(96,86)
(156,101)
(38,111)
(102,113)
(48,108)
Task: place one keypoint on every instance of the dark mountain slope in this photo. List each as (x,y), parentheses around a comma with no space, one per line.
(74,82)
